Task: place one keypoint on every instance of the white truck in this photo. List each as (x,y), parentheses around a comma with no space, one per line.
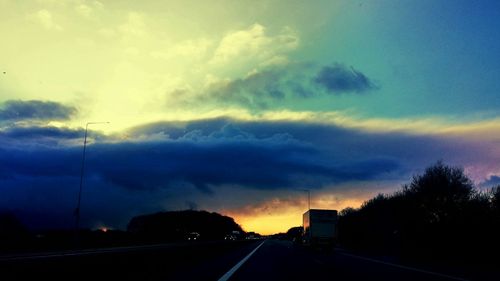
(320,228)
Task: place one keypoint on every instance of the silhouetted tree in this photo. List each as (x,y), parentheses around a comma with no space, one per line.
(495,208)
(495,198)
(438,213)
(437,202)
(440,192)
(175,225)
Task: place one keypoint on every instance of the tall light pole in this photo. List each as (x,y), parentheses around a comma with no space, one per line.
(77,210)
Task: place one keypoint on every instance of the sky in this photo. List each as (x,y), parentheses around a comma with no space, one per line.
(238,107)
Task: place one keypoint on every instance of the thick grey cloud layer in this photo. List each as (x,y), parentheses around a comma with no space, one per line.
(37,133)
(226,156)
(274,84)
(14,110)
(203,157)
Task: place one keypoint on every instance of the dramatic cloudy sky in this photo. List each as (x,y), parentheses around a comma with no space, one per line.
(240,106)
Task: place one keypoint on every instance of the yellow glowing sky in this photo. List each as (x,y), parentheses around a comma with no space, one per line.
(281,211)
(127,63)
(283,216)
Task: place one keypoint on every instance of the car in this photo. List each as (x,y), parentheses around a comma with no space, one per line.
(193,236)
(230,237)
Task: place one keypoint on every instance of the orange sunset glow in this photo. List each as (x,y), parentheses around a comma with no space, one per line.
(279,215)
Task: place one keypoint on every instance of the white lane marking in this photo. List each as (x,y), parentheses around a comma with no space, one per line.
(80,252)
(405,267)
(228,274)
(49,256)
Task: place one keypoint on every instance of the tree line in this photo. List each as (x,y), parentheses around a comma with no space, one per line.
(168,226)
(439,214)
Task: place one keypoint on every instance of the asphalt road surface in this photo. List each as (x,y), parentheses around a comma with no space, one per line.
(219,261)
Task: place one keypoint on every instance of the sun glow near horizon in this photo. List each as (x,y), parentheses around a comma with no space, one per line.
(279,215)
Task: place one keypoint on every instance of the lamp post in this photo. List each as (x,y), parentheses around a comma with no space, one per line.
(77,210)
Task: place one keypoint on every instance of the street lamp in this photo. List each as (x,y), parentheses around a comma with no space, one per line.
(77,210)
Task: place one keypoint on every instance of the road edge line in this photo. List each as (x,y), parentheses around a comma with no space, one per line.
(228,274)
(405,267)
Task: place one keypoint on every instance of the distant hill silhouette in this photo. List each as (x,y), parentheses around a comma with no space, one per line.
(175,225)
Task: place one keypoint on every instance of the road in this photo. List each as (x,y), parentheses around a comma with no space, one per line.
(281,260)
(246,260)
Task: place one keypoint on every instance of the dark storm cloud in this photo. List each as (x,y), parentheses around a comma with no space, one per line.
(39,161)
(275,84)
(340,79)
(40,132)
(14,110)
(222,152)
(227,156)
(128,178)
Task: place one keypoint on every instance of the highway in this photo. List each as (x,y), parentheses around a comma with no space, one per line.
(219,261)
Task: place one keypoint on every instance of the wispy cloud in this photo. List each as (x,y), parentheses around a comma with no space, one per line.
(269,87)
(254,44)
(134,26)
(88,9)
(46,20)
(194,49)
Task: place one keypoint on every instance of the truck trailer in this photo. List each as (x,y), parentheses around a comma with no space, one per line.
(320,228)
